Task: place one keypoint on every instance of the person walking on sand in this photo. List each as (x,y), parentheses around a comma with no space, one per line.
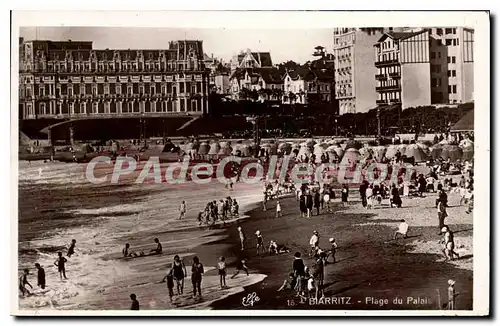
(242,238)
(333,251)
(182,210)
(71,249)
(314,242)
(402,230)
(135,302)
(241,265)
(302,205)
(326,201)
(260,243)
(221,266)
(309,204)
(278,209)
(23,281)
(264,201)
(170,283)
(40,276)
(197,272)
(60,263)
(179,272)
(299,272)
(369,197)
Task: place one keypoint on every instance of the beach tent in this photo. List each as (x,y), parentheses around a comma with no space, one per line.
(436,151)
(402,149)
(350,157)
(365,152)
(318,151)
(417,153)
(391,151)
(353,144)
(466,123)
(214,148)
(332,156)
(304,151)
(379,152)
(425,148)
(285,148)
(466,143)
(452,152)
(310,142)
(225,149)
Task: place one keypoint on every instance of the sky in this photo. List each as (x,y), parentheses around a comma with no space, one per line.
(285,44)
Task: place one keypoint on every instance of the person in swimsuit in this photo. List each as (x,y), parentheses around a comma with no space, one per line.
(60,265)
(40,276)
(71,249)
(158,249)
(23,281)
(135,303)
(179,272)
(449,244)
(170,283)
(182,210)
(242,238)
(240,266)
(260,243)
(221,266)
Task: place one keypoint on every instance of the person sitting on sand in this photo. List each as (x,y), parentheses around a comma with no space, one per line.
(403,230)
(71,249)
(23,281)
(126,252)
(276,249)
(289,283)
(158,249)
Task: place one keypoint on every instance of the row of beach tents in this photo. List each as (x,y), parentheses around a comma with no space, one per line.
(335,150)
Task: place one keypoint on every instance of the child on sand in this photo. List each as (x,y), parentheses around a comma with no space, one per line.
(158,249)
(60,265)
(23,281)
(240,266)
(333,250)
(170,283)
(40,276)
(71,250)
(221,266)
(289,283)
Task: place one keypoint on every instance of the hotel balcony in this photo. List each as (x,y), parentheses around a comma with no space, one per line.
(395,74)
(386,63)
(395,101)
(380,76)
(388,88)
(381,102)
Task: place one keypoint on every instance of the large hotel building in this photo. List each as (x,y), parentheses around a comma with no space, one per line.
(71,79)
(410,67)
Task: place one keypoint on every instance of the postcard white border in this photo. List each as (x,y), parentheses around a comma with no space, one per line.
(479,21)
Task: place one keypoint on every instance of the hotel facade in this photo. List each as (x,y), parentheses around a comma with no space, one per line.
(72,80)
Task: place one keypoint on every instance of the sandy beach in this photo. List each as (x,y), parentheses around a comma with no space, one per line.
(104,217)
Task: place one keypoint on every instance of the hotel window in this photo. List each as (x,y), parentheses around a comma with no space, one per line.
(152,90)
(141,89)
(194,105)
(82,108)
(453,59)
(41,91)
(449,42)
(439,55)
(455,42)
(129,90)
(94,107)
(454,31)
(106,89)
(439,31)
(453,73)
(448,31)
(94,91)
(181,89)
(449,59)
(118,89)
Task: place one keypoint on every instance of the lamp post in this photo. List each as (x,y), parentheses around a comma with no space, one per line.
(255,122)
(336,128)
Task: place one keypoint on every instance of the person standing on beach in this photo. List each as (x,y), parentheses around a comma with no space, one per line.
(179,272)
(23,281)
(299,272)
(362,193)
(60,263)
(314,242)
(326,201)
(278,209)
(182,210)
(221,266)
(264,201)
(442,214)
(40,276)
(135,303)
(317,201)
(369,197)
(196,276)
(242,238)
(71,250)
(309,204)
(345,194)
(449,243)
(332,251)
(302,205)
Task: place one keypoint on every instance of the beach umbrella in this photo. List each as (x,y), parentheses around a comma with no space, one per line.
(417,153)
(204,148)
(365,152)
(332,156)
(402,149)
(378,152)
(285,148)
(466,143)
(310,142)
(332,142)
(425,148)
(351,156)
(353,144)
(452,152)
(318,152)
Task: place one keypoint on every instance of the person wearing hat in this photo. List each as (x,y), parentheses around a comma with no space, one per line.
(449,243)
(242,238)
(314,242)
(332,251)
(299,271)
(260,243)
